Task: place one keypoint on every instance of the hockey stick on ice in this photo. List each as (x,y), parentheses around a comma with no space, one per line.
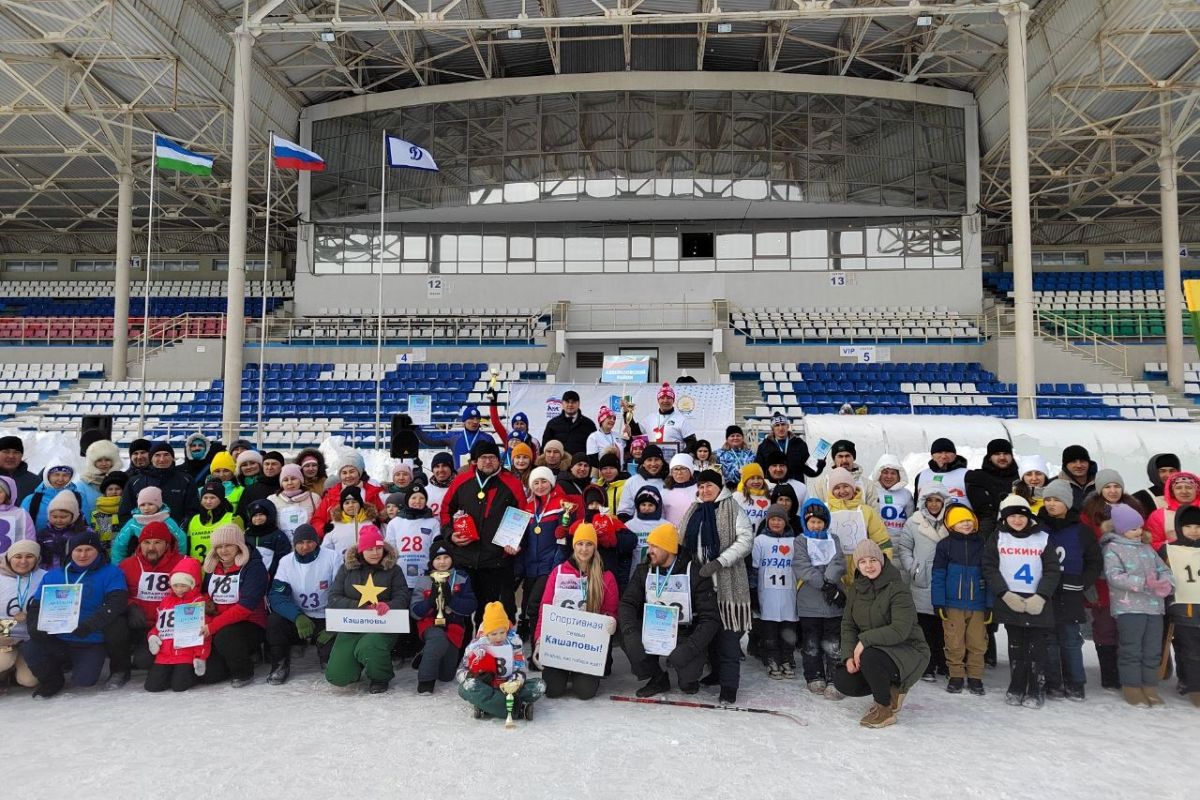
(690,704)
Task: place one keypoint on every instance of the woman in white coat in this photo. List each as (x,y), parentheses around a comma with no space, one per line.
(914,547)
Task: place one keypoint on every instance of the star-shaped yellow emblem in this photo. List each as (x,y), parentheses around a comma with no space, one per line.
(369,592)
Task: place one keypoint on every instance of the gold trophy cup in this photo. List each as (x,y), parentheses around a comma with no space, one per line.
(441,580)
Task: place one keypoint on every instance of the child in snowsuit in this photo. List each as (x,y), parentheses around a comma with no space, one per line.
(960,599)
(150,509)
(176,668)
(1138,582)
(820,598)
(442,640)
(62,522)
(491,660)
(648,516)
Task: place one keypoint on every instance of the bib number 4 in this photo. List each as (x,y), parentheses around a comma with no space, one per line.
(1024,575)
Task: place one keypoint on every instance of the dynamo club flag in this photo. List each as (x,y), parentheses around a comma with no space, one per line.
(406,154)
(289,155)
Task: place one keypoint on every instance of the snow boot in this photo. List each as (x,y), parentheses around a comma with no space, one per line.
(1035,692)
(831,693)
(728,696)
(1152,695)
(954,686)
(116,681)
(773,671)
(377,687)
(279,673)
(817,686)
(975,687)
(930,676)
(47,689)
(425,687)
(657,685)
(526,711)
(878,716)
(1074,692)
(238,683)
(1135,696)
(1110,678)
(789,670)
(897,701)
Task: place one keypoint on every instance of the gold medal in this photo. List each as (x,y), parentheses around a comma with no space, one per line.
(480,495)
(537,528)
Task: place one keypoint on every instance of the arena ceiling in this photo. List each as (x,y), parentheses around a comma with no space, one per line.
(83,83)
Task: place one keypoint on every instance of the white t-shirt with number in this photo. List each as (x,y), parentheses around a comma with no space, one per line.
(772,557)
(894,505)
(310,582)
(411,538)
(1021,560)
(437,495)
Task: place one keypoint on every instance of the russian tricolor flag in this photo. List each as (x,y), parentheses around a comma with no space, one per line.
(289,155)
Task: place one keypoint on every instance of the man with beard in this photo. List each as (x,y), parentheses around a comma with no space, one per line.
(178,494)
(991,483)
(946,467)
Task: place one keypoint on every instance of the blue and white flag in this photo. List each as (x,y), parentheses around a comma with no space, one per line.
(406,154)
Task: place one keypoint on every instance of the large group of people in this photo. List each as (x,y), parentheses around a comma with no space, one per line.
(705,563)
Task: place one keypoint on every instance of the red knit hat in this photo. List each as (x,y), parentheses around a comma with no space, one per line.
(368,537)
(156,530)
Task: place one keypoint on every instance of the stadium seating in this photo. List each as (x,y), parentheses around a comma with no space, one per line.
(935,324)
(23,386)
(933,388)
(414,326)
(1191,377)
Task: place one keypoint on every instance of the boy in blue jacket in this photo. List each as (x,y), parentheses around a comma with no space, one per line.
(961,600)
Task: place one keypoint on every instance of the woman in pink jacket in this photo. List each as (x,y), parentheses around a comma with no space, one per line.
(583,583)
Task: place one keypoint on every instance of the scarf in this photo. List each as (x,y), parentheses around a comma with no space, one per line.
(732,583)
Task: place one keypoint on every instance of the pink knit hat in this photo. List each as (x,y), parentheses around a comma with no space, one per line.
(151,494)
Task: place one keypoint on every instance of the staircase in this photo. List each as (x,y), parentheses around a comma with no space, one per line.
(747,396)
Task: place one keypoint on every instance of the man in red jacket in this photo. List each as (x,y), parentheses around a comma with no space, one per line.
(352,472)
(483,492)
(147,574)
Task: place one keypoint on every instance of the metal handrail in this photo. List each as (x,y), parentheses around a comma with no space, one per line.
(641,316)
(1080,339)
(363,330)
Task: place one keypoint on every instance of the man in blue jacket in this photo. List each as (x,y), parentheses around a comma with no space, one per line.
(104,599)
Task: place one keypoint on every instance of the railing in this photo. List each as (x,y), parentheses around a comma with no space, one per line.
(1160,407)
(1078,338)
(640,317)
(444,329)
(1141,321)
(99,330)
(857,330)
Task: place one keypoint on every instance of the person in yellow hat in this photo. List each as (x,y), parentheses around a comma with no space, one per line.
(495,657)
(668,578)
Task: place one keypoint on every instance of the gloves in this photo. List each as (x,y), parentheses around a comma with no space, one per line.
(493,395)
(710,568)
(537,654)
(610,627)
(325,637)
(821,466)
(304,627)
(1035,604)
(136,617)
(834,595)
(1159,587)
(941,613)
(1014,601)
(155,644)
(381,608)
(198,666)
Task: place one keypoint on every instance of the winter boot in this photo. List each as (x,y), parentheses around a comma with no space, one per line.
(975,687)
(1035,692)
(930,675)
(713,678)
(690,688)
(279,673)
(416,661)
(897,701)
(238,683)
(116,681)
(879,716)
(954,686)
(831,693)
(817,686)
(527,711)
(773,670)
(728,696)
(1135,696)
(377,687)
(657,685)
(1152,695)
(1074,692)
(1110,678)
(47,689)
(789,669)
(425,687)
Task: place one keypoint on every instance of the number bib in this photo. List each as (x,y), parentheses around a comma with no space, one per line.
(292,517)
(850,526)
(166,623)
(310,585)
(153,586)
(775,566)
(1021,560)
(268,556)
(413,548)
(894,511)
(820,551)
(503,653)
(223,589)
(199,544)
(1185,564)
(671,590)
(570,591)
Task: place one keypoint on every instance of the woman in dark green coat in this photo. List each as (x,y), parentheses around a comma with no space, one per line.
(884,647)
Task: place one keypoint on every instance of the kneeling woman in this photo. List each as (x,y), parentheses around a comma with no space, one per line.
(368,577)
(236,583)
(884,647)
(580,582)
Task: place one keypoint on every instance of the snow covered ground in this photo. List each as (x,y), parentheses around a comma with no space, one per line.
(310,740)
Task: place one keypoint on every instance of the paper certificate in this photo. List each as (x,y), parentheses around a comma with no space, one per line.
(660,629)
(512,528)
(59,611)
(189,619)
(420,409)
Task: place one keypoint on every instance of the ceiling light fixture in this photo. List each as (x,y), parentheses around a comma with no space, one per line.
(328,36)
(724,27)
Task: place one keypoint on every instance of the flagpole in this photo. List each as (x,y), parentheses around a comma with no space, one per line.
(262,327)
(379,320)
(146,290)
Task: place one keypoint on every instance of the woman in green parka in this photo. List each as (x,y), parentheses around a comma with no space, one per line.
(368,579)
(885,650)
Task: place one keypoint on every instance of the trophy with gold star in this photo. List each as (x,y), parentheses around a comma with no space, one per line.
(510,688)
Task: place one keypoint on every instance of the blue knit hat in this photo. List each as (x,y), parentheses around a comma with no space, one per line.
(470,412)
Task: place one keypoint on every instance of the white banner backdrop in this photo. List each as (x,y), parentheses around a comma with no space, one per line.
(710,406)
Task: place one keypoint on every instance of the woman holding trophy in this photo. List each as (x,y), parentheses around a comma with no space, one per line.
(442,605)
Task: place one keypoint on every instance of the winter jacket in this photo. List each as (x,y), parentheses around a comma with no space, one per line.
(866,487)
(16,593)
(572,435)
(53,542)
(168,653)
(301,585)
(125,542)
(37,503)
(706,618)
(732,461)
(952,477)
(1081,561)
(343,531)
(895,505)
(986,489)
(331,503)
(875,530)
(149,583)
(1128,563)
(292,512)
(1152,497)
(24,481)
(914,548)
(272,543)
(1161,522)
(104,599)
(1182,555)
(355,571)
(627,508)
(880,613)
(796,450)
(1081,490)
(811,575)
(1033,543)
(481,646)
(542,548)
(256,488)
(180,498)
(677,500)
(411,532)
(251,583)
(608,603)
(198,468)
(501,491)
(956,580)
(15,522)
(459,605)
